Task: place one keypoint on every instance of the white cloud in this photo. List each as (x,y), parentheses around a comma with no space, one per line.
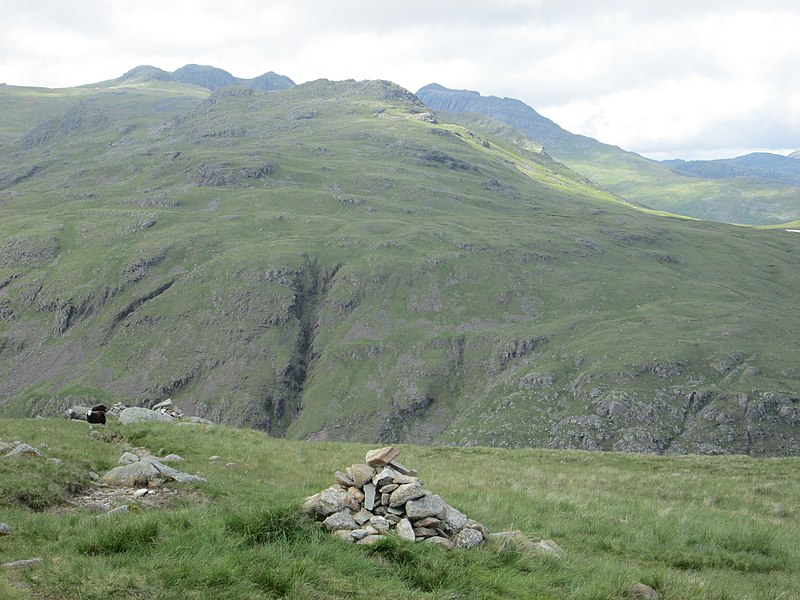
(651,76)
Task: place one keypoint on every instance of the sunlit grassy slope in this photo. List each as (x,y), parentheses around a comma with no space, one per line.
(745,199)
(690,527)
(329,262)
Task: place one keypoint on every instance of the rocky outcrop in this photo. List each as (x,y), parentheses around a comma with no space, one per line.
(382,497)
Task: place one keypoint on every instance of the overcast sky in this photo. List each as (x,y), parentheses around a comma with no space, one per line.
(677,78)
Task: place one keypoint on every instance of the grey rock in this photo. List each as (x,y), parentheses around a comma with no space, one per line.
(361,474)
(359,534)
(18,564)
(145,471)
(362,516)
(406,492)
(424,532)
(388,489)
(468,538)
(116,511)
(454,520)
(5,529)
(641,591)
(441,541)
(548,547)
(356,494)
(128,458)
(340,520)
(369,496)
(385,499)
(426,506)
(370,539)
(385,477)
(214,458)
(24,450)
(404,479)
(172,458)
(343,479)
(55,461)
(403,470)
(432,522)
(165,404)
(197,421)
(136,414)
(405,530)
(93,476)
(479,526)
(382,456)
(343,534)
(393,519)
(380,523)
(325,503)
(5,447)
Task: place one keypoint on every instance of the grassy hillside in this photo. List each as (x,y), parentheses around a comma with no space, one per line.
(329,262)
(690,527)
(746,196)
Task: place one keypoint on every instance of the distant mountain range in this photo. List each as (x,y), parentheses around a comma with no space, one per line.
(757,189)
(211,78)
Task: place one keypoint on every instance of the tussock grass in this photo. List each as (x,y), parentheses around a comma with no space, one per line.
(695,528)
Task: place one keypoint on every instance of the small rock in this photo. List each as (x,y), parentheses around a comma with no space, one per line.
(751,371)
(380,523)
(405,530)
(24,450)
(454,519)
(359,534)
(343,534)
(5,529)
(468,538)
(171,458)
(340,520)
(370,539)
(31,562)
(93,476)
(388,489)
(424,532)
(369,496)
(343,479)
(165,404)
(361,475)
(641,591)
(403,470)
(5,447)
(441,541)
(427,506)
(362,516)
(432,522)
(356,493)
(55,461)
(548,547)
(115,511)
(382,456)
(393,519)
(385,477)
(141,493)
(325,503)
(385,499)
(128,458)
(404,479)
(479,526)
(406,492)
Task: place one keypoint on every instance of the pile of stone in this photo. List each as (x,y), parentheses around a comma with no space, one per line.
(382,497)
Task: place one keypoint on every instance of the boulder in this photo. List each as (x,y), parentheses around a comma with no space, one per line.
(136,414)
(382,456)
(147,470)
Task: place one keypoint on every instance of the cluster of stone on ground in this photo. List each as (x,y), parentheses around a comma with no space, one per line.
(382,497)
(164,411)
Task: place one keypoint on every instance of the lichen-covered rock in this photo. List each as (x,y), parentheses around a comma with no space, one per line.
(24,450)
(468,538)
(406,492)
(426,506)
(327,502)
(136,414)
(405,530)
(340,520)
(454,519)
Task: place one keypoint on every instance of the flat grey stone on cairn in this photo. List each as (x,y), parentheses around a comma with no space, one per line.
(382,456)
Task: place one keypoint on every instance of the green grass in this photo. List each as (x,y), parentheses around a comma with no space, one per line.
(691,527)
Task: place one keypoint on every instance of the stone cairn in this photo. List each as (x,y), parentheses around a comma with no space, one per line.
(382,497)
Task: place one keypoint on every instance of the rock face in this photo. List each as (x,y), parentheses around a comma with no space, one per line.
(380,498)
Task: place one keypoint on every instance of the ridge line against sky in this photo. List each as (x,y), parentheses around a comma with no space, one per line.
(682,78)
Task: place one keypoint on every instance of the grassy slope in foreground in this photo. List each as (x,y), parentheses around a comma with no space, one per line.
(694,528)
(326,262)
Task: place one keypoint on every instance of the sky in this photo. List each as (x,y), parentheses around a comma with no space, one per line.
(667,79)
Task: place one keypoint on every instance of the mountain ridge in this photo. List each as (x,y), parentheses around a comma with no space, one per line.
(335,261)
